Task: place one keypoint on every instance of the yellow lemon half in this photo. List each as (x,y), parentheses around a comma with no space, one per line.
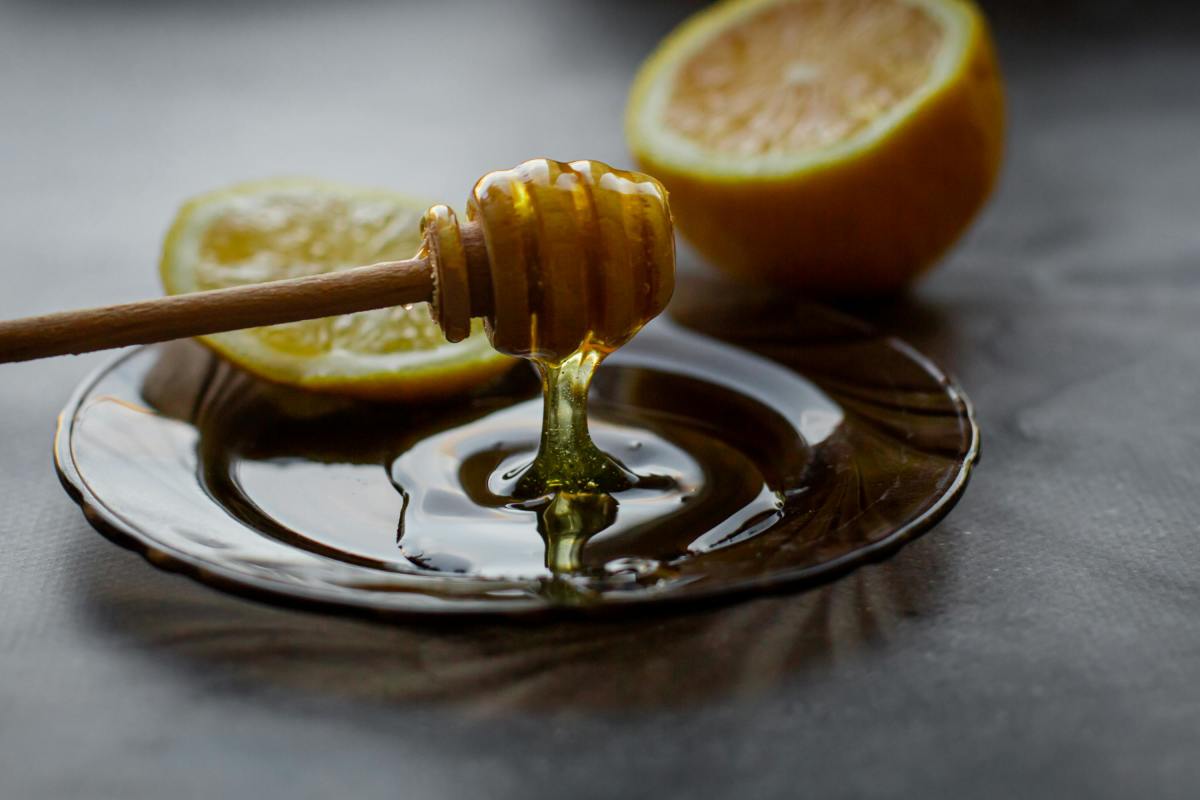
(836,146)
(269,230)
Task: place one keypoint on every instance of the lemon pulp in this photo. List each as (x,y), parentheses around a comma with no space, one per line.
(803,75)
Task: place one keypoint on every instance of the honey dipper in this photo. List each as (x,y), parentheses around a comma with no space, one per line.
(552,256)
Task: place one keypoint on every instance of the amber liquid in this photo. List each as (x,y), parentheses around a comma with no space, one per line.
(686,460)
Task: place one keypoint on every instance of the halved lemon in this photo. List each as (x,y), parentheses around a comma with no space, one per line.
(832,145)
(269,230)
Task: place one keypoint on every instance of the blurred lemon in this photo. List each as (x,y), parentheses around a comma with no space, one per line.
(836,146)
(269,230)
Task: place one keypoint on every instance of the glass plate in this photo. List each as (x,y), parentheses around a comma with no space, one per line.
(169,451)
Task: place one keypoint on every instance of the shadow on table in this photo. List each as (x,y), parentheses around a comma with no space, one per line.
(679,658)
(907,315)
(932,328)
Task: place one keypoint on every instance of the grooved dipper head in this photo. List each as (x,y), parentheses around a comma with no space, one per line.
(555,257)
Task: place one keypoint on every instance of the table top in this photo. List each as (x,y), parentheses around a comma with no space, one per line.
(1041,641)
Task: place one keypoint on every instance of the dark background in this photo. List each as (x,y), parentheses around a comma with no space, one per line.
(1043,641)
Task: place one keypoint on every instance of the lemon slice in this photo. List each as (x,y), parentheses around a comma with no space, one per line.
(837,145)
(269,230)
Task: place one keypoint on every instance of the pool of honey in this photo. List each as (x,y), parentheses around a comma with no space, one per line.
(434,489)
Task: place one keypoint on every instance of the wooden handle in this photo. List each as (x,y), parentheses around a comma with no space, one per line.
(390,283)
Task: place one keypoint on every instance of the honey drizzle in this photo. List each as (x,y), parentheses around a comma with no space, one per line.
(579,256)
